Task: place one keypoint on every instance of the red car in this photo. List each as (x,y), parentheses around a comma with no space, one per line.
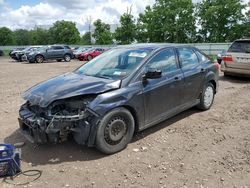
(90,54)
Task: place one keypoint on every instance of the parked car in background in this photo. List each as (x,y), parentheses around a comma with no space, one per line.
(127,89)
(15,49)
(18,54)
(1,53)
(80,50)
(236,60)
(90,54)
(53,52)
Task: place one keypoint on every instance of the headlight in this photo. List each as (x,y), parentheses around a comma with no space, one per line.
(73,106)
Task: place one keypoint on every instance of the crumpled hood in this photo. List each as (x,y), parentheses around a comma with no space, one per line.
(65,86)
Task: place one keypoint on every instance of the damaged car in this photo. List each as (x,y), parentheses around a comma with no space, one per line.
(125,90)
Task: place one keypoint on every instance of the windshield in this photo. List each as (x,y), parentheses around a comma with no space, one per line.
(27,49)
(116,63)
(89,50)
(82,49)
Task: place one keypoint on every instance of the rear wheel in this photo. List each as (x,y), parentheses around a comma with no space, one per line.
(67,57)
(39,59)
(207,97)
(115,131)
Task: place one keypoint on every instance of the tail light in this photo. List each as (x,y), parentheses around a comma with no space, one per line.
(227,58)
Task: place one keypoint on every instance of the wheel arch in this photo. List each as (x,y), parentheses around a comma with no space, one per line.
(40,55)
(134,114)
(213,82)
(68,54)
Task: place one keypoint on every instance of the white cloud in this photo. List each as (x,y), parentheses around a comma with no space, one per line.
(48,11)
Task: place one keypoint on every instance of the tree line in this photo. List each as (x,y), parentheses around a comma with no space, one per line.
(165,21)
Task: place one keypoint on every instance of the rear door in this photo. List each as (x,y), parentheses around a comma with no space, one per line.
(194,74)
(238,55)
(58,51)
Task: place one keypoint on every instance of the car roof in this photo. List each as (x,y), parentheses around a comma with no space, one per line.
(245,39)
(153,46)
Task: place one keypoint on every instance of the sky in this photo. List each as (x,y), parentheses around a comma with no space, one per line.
(27,14)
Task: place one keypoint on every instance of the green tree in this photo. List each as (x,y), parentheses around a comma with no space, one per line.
(167,21)
(39,36)
(6,36)
(102,33)
(146,28)
(127,32)
(86,38)
(22,37)
(64,32)
(220,20)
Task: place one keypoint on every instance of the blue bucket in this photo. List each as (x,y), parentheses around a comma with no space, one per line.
(9,160)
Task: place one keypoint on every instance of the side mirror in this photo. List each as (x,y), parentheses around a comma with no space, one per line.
(152,74)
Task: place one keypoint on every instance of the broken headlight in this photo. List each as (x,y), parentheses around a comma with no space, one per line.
(73,108)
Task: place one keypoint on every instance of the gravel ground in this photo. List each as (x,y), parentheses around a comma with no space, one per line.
(192,149)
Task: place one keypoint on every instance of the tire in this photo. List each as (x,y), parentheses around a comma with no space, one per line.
(39,59)
(67,57)
(109,142)
(89,57)
(58,60)
(207,97)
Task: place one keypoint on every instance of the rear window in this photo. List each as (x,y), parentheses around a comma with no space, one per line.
(240,46)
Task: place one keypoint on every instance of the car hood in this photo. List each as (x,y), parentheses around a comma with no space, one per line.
(66,86)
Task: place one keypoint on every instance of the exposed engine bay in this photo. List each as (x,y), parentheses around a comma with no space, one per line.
(57,122)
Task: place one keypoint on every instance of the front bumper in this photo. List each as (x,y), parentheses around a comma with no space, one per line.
(30,58)
(42,130)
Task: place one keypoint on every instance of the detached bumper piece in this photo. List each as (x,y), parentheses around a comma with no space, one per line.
(57,129)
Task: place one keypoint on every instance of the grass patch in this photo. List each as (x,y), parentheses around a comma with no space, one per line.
(6,52)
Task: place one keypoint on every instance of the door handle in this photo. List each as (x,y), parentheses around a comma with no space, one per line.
(177,78)
(203,70)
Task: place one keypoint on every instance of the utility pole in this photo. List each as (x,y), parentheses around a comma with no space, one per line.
(89,20)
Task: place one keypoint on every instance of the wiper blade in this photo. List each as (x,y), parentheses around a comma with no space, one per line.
(103,76)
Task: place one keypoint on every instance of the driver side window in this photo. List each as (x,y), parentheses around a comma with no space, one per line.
(165,61)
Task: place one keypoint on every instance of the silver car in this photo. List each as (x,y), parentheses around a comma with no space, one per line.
(236,61)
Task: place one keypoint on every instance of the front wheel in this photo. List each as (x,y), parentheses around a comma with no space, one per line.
(67,58)
(207,97)
(39,59)
(115,131)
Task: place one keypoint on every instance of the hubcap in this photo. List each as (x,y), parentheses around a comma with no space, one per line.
(115,131)
(67,58)
(208,96)
(39,59)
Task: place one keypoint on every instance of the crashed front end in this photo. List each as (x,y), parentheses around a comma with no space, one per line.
(60,120)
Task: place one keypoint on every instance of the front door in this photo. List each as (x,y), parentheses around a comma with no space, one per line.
(162,95)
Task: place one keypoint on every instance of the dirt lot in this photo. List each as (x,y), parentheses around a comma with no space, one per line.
(193,149)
